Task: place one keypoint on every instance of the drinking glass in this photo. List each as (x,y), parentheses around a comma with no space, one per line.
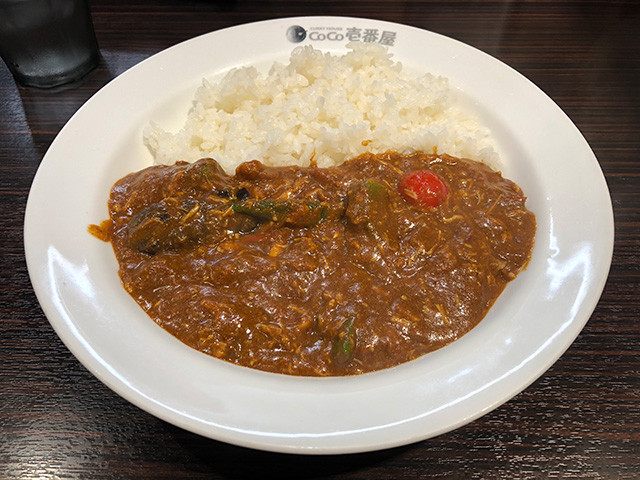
(46,43)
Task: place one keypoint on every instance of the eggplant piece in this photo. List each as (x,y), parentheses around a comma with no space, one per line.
(168,225)
(176,223)
(173,223)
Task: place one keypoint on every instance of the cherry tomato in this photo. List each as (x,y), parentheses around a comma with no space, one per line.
(423,188)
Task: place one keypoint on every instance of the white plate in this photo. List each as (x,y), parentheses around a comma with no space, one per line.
(531,325)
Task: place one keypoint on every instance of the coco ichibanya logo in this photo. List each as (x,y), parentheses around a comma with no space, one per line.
(297,34)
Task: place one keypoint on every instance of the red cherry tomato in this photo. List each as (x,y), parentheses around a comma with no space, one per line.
(423,188)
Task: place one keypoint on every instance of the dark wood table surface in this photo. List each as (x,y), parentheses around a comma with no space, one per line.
(581,419)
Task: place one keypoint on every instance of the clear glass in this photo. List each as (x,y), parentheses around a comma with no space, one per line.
(46,43)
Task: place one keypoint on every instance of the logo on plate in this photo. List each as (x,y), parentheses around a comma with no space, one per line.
(296,34)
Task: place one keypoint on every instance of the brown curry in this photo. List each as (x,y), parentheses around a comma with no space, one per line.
(318,271)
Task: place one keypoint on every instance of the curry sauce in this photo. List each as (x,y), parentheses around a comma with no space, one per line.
(318,271)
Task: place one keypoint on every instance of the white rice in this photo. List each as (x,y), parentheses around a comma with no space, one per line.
(326,107)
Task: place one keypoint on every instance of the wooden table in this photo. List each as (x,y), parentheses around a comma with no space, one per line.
(579,420)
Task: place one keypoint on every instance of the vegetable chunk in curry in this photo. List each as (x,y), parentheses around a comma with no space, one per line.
(319,271)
